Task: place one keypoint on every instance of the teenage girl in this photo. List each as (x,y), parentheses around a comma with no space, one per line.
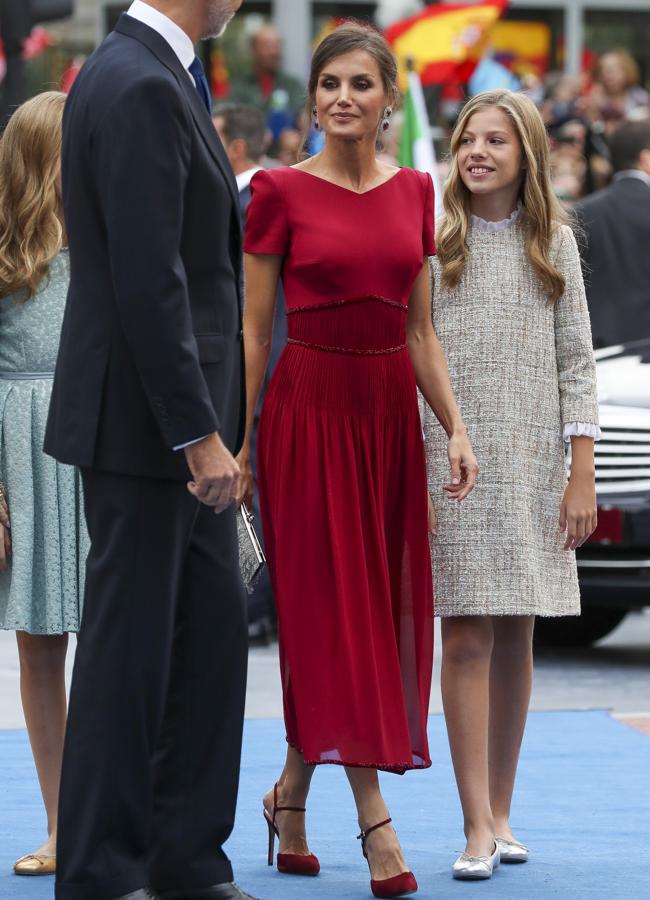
(43,538)
(509,308)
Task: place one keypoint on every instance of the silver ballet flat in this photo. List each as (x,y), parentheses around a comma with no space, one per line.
(512,851)
(474,868)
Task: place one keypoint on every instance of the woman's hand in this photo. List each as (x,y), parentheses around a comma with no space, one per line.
(246,481)
(433,518)
(578,512)
(464,467)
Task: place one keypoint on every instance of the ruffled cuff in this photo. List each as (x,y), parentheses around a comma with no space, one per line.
(581,429)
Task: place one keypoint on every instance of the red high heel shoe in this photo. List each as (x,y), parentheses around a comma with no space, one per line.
(289,863)
(396,886)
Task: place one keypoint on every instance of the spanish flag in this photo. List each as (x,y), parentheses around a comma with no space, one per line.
(219,75)
(444,41)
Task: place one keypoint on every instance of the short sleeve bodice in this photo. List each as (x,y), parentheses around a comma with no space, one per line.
(339,244)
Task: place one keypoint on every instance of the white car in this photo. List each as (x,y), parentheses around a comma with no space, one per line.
(614,565)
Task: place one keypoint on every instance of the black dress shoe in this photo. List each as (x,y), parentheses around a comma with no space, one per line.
(142,894)
(227,891)
(262,632)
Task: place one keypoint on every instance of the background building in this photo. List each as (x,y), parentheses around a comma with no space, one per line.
(574,23)
(82,30)
(575,30)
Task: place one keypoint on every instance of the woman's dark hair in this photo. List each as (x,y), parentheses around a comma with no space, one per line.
(628,143)
(352,37)
(243,123)
(349,38)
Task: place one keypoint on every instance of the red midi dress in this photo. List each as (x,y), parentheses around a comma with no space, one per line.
(341,467)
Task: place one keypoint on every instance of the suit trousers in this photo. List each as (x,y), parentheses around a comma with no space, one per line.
(152,749)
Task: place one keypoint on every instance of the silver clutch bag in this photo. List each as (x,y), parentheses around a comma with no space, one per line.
(251,555)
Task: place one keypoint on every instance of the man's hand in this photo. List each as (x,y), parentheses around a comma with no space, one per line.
(215,473)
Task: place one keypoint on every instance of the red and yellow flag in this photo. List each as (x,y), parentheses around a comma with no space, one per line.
(446,40)
(219,75)
(522,47)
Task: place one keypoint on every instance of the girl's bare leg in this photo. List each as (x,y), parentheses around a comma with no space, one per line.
(511,679)
(467,648)
(42,689)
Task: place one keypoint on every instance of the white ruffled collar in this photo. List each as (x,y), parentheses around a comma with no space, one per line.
(483,225)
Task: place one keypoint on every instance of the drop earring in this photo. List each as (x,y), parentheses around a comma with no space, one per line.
(385,122)
(315,121)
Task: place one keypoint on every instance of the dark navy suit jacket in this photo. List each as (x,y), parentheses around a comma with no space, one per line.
(616,231)
(151,349)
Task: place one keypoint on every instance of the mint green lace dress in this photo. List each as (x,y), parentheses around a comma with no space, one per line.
(42,590)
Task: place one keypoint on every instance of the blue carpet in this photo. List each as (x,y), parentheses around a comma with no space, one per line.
(581,804)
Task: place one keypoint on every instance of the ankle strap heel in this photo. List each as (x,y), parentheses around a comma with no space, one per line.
(363,837)
(398,885)
(288,863)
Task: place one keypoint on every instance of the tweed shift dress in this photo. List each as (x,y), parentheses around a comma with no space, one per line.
(521,368)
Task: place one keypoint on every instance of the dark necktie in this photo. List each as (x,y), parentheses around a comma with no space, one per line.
(197,72)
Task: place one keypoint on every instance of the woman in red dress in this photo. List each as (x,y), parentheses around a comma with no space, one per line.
(341,462)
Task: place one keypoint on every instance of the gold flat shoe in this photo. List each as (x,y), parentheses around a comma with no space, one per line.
(35,864)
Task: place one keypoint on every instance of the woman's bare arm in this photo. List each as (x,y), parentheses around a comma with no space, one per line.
(432,378)
(262,275)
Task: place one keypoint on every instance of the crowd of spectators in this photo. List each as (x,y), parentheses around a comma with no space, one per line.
(278,95)
(581,113)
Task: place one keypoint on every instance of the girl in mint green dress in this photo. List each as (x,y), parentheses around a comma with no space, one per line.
(43,539)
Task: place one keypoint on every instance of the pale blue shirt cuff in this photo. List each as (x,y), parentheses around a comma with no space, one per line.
(189,443)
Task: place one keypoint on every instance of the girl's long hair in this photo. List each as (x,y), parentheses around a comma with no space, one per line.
(31,233)
(541,212)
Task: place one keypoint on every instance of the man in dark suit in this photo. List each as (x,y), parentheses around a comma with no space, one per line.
(616,224)
(148,400)
(243,133)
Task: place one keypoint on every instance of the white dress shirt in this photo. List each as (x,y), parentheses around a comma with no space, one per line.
(182,45)
(178,40)
(245,178)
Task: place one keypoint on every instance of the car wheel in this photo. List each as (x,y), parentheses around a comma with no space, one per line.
(577,631)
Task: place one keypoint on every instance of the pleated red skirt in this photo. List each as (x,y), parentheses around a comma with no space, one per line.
(344,506)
